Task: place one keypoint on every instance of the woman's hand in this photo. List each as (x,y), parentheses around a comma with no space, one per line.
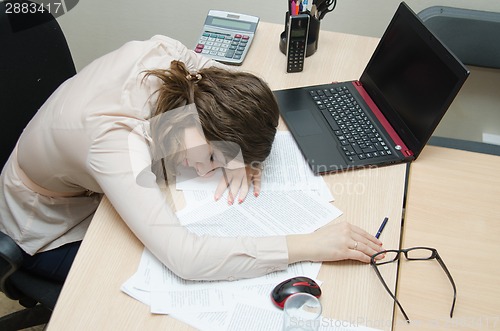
(237,180)
(333,242)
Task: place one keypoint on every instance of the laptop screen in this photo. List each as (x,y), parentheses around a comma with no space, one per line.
(413,78)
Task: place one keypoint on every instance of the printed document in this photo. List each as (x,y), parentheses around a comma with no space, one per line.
(292,200)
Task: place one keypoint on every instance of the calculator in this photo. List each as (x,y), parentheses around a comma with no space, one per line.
(226,37)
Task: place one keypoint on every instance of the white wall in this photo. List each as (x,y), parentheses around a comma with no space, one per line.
(95,27)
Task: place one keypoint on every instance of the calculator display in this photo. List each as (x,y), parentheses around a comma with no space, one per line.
(231,24)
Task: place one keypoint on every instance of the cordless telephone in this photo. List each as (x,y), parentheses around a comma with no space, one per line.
(298,29)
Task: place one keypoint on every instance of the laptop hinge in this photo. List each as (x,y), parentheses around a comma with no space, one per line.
(408,153)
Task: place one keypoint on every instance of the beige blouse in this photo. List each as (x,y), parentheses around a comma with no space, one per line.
(84,142)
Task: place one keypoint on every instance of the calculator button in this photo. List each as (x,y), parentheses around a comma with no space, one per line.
(222,45)
(199,48)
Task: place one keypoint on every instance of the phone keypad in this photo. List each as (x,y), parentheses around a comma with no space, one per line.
(296,56)
(222,45)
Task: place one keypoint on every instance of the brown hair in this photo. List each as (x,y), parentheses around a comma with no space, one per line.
(232,106)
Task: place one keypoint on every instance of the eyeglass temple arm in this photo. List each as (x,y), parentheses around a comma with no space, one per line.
(441,263)
(390,293)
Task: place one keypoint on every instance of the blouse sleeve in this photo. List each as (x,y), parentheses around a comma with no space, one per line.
(145,211)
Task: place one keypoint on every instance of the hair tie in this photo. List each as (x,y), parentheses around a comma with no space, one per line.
(194,77)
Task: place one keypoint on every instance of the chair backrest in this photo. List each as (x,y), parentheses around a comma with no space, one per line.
(10,257)
(34,60)
(473,35)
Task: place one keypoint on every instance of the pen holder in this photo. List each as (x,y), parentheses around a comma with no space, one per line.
(312,36)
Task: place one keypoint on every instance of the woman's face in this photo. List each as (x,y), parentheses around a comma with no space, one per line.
(200,154)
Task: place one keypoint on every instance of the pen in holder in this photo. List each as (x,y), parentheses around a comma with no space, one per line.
(312,36)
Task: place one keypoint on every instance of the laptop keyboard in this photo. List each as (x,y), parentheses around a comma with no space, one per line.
(358,137)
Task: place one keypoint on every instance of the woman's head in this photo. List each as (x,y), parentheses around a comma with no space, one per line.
(236,110)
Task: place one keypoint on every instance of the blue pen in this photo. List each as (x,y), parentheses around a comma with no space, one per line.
(382,226)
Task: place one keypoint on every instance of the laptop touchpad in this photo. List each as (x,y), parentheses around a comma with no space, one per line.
(303,122)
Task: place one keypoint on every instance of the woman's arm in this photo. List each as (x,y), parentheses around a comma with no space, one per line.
(148,215)
(333,242)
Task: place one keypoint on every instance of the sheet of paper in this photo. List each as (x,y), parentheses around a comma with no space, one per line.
(272,213)
(216,321)
(285,169)
(129,288)
(195,300)
(249,316)
(242,300)
(155,285)
(195,196)
(292,200)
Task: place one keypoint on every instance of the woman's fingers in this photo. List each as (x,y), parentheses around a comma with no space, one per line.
(221,187)
(256,179)
(239,187)
(348,241)
(363,234)
(363,250)
(235,181)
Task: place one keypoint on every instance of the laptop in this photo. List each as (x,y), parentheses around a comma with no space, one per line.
(388,115)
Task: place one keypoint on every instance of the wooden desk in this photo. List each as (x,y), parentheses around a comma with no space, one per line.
(453,205)
(91,298)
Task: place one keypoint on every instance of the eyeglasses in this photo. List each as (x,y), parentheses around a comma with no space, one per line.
(411,254)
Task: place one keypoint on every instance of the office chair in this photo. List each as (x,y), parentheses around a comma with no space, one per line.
(34,61)
(472,35)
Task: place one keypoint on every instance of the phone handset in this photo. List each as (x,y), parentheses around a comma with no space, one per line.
(298,29)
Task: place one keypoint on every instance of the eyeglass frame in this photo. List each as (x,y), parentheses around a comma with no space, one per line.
(434,255)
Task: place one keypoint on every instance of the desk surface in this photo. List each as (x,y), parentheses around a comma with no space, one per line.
(453,206)
(109,255)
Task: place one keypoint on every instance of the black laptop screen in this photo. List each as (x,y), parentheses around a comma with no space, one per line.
(412,78)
